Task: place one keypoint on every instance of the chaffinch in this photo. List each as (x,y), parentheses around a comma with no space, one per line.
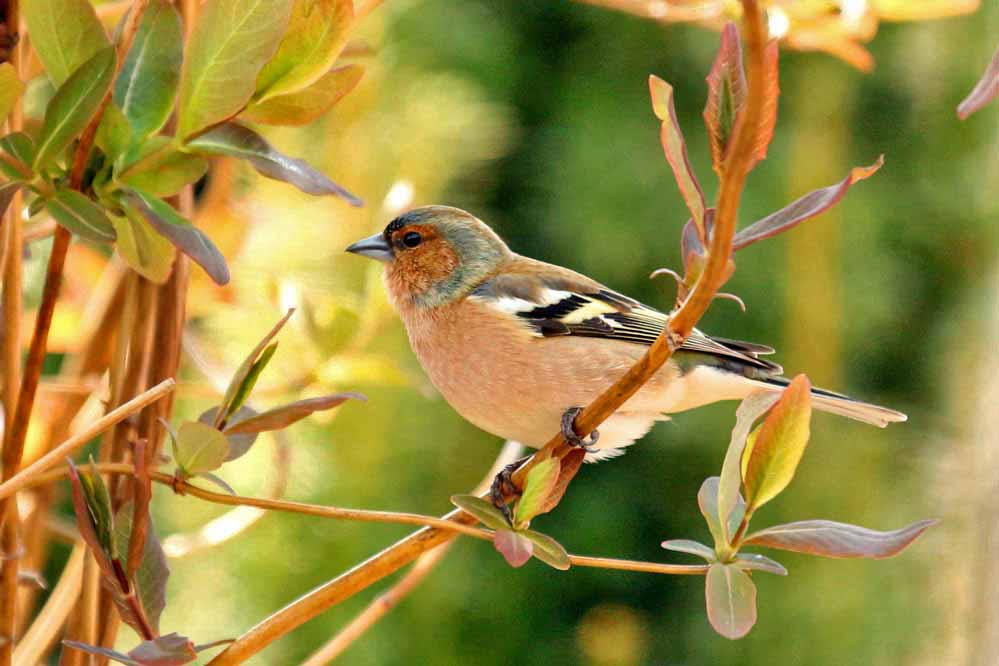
(515,344)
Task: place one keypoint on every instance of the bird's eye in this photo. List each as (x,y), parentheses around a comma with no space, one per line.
(412,239)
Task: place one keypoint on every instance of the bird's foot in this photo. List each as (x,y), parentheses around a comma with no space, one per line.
(569,431)
(503,486)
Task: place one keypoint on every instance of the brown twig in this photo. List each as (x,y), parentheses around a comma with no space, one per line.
(389,599)
(26,476)
(681,323)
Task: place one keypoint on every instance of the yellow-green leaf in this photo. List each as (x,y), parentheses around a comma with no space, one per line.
(537,487)
(11,88)
(230,43)
(64,33)
(305,106)
(200,448)
(316,34)
(149,254)
(772,456)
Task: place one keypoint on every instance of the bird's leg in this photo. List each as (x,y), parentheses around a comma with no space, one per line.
(569,431)
(504,486)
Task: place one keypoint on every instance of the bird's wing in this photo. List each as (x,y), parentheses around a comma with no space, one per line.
(554,301)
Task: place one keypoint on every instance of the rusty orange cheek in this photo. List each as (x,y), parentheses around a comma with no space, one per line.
(414,271)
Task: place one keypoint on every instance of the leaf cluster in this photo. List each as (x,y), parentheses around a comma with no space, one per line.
(163,109)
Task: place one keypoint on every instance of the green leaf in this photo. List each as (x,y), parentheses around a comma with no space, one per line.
(178,230)
(305,106)
(20,147)
(757,562)
(234,140)
(88,517)
(537,487)
(731,600)
(146,88)
(731,477)
(547,549)
(827,538)
(281,417)
(148,253)
(80,215)
(772,456)
(11,88)
(246,386)
(73,105)
(170,650)
(230,43)
(675,149)
(164,171)
(316,34)
(64,33)
(153,572)
(515,547)
(481,510)
(114,134)
(238,386)
(200,448)
(690,547)
(99,505)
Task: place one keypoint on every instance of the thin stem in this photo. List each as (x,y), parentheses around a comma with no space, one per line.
(26,476)
(635,565)
(680,325)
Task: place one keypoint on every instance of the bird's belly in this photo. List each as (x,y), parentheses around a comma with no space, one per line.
(521,394)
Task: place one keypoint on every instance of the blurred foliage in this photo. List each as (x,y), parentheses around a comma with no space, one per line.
(535,116)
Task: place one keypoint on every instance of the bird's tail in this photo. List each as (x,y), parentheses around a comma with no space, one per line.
(836,403)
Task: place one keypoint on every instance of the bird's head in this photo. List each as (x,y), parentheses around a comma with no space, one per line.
(434,255)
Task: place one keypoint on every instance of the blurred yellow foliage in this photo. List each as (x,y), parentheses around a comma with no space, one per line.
(837,27)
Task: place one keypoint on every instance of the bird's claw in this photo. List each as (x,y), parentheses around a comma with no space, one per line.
(569,431)
(502,486)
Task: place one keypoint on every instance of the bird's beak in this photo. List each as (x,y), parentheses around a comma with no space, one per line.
(374,247)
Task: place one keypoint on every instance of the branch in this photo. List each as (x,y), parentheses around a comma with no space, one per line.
(27,476)
(386,601)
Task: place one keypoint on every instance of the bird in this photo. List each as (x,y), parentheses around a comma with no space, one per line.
(516,346)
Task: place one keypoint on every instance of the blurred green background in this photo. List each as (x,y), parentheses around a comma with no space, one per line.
(535,116)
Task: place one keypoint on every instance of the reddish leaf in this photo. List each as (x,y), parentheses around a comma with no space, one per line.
(986,90)
(726,94)
(675,148)
(142,495)
(102,652)
(170,650)
(731,600)
(690,547)
(831,539)
(85,520)
(769,119)
(772,454)
(515,548)
(757,562)
(280,417)
(804,208)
